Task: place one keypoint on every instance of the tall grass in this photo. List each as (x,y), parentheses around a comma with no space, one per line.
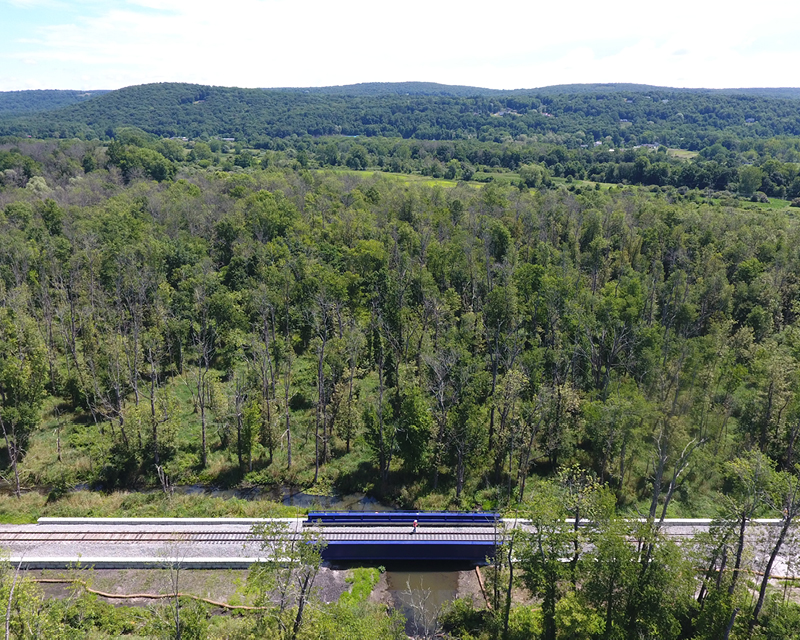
(88,504)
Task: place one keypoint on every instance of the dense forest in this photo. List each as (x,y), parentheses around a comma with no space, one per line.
(685,119)
(688,139)
(472,323)
(465,335)
(34,101)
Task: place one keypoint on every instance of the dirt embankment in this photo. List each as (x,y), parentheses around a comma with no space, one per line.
(216,586)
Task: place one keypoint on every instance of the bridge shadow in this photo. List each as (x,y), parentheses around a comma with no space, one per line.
(410,566)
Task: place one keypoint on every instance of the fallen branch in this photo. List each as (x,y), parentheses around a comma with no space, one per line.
(483,589)
(150,596)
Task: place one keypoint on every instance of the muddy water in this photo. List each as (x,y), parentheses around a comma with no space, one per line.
(419,596)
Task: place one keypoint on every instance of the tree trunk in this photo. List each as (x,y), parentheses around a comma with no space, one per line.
(787,522)
(739,550)
(11,445)
(288,431)
(239,399)
(507,611)
(350,406)
(201,404)
(662,460)
(10,601)
(321,408)
(153,419)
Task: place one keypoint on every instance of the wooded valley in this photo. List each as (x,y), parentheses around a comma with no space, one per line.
(505,318)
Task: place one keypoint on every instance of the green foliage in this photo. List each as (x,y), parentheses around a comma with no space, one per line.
(534,176)
(413,431)
(32,101)
(363,622)
(437,345)
(544,548)
(134,160)
(461,619)
(17,169)
(750,178)
(32,506)
(283,582)
(575,621)
(194,621)
(363,581)
(781,620)
(22,375)
(617,112)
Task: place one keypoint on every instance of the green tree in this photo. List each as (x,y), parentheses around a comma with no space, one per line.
(750,178)
(534,176)
(414,430)
(135,161)
(610,569)
(357,158)
(23,375)
(542,549)
(282,582)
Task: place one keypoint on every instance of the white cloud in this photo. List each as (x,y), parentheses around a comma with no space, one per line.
(260,43)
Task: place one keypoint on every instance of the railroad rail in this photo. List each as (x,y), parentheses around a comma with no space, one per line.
(226,537)
(231,543)
(401,518)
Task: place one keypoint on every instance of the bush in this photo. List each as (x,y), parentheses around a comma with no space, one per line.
(462,620)
(363,580)
(194,620)
(780,620)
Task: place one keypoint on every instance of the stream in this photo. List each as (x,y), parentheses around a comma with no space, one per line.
(419,596)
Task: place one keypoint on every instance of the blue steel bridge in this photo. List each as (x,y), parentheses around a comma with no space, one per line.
(393,536)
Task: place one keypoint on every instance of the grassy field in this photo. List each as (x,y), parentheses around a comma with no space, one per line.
(405,178)
(683,154)
(122,504)
(776,204)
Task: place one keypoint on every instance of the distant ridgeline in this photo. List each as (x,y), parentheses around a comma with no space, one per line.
(15,103)
(620,114)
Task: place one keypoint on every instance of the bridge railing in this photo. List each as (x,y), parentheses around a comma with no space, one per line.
(400,518)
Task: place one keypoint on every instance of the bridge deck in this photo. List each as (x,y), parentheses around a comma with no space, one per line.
(230,541)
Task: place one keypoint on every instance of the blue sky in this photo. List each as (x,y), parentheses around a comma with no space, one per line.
(93,44)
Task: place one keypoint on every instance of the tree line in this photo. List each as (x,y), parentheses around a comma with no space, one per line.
(730,168)
(684,119)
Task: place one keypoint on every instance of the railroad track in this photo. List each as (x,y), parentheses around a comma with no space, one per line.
(231,544)
(154,533)
(125,536)
(226,537)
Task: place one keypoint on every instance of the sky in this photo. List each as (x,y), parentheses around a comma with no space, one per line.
(108,44)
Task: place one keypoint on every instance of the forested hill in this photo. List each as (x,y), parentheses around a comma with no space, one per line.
(764,92)
(34,101)
(678,118)
(436,89)
(395,88)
